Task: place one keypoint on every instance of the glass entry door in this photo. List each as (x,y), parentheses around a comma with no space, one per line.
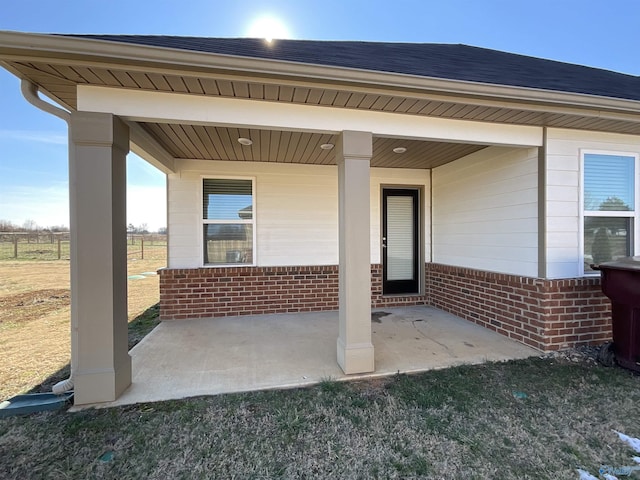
(400,241)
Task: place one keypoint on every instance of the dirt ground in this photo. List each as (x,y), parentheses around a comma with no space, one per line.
(35,315)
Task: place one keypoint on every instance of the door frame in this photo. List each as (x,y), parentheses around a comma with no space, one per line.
(409,287)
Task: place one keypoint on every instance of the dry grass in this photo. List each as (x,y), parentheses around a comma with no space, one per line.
(463,422)
(35,313)
(539,418)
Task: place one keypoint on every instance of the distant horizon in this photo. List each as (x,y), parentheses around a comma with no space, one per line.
(7,226)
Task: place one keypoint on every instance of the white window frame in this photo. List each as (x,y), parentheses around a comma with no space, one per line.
(634,215)
(204,222)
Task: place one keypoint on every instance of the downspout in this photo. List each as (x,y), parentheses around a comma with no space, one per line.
(30,93)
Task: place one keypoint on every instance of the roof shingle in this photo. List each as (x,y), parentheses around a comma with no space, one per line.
(445,61)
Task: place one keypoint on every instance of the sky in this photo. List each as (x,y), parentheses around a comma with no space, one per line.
(33,144)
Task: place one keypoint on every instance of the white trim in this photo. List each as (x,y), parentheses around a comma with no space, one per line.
(609,213)
(164,107)
(203,221)
(634,215)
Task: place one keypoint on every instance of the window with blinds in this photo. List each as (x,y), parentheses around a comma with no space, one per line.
(609,214)
(400,238)
(228,223)
(608,183)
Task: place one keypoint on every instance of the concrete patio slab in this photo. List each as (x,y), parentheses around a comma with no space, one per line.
(187,358)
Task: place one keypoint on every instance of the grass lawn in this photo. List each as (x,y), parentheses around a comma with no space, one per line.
(538,418)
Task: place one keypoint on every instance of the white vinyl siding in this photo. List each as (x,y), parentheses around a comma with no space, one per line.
(565,256)
(296,217)
(485,211)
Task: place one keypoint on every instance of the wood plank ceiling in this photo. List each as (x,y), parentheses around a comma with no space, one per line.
(218,143)
(210,142)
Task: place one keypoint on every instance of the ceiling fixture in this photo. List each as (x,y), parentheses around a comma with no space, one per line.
(326,146)
(399,150)
(245,141)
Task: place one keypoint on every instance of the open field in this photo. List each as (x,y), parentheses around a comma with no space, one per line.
(540,418)
(40,246)
(35,314)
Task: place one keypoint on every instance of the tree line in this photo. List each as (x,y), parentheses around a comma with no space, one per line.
(31,226)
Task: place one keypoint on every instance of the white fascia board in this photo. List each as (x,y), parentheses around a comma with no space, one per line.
(163,107)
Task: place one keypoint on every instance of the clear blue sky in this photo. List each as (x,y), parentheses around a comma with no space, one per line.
(33,152)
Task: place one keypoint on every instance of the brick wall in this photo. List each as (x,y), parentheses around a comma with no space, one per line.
(576,313)
(227,291)
(380,301)
(545,314)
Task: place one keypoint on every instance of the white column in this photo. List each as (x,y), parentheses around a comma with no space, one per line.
(353,155)
(100,362)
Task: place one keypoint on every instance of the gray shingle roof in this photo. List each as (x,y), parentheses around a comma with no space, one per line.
(447,61)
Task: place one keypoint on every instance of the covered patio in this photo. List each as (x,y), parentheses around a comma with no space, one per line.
(345,186)
(187,358)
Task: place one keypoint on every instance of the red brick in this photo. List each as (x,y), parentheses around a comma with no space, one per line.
(520,307)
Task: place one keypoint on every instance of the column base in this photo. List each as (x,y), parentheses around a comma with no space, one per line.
(356,358)
(100,386)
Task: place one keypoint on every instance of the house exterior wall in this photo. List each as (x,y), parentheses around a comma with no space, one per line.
(543,313)
(564,216)
(485,211)
(296,210)
(225,291)
(482,265)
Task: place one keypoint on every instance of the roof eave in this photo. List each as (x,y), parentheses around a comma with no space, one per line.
(16,46)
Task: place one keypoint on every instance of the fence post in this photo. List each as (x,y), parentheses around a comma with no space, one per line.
(59,248)
(142,248)
(15,246)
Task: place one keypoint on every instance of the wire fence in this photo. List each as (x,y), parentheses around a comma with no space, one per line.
(56,246)
(34,246)
(148,245)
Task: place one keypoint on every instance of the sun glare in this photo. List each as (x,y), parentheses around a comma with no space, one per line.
(269,28)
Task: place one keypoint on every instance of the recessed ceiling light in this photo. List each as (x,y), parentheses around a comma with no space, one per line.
(245,141)
(399,150)
(326,146)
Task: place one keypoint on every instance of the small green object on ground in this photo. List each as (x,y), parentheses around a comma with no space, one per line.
(106,456)
(33,402)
